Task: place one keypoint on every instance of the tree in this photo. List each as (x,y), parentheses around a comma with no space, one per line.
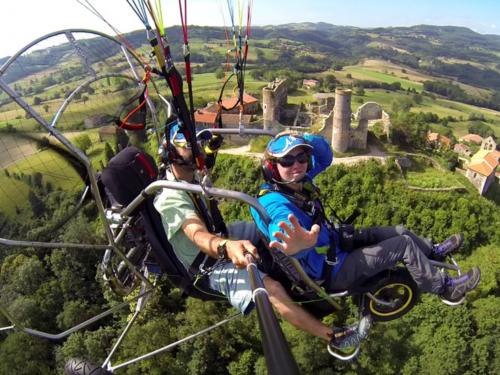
(360,91)
(83,142)
(85,98)
(401,105)
(37,180)
(46,108)
(256,74)
(37,100)
(219,73)
(329,82)
(417,98)
(108,152)
(37,206)
(23,354)
(43,143)
(478,127)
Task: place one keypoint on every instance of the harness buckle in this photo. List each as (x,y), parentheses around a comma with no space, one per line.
(332,262)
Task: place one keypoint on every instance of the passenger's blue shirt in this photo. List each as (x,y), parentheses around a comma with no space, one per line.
(278,207)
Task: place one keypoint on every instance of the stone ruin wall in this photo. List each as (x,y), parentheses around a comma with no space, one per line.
(274,98)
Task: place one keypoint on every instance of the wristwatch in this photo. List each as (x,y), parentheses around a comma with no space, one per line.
(222,249)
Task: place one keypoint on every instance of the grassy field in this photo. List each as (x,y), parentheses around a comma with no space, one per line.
(208,86)
(383,71)
(441,107)
(423,175)
(431,178)
(361,73)
(54,170)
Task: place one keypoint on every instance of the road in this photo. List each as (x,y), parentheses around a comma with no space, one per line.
(373,153)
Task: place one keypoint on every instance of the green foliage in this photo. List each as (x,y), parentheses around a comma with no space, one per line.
(259,144)
(478,127)
(403,104)
(383,200)
(409,130)
(25,355)
(83,142)
(329,83)
(219,73)
(108,152)
(239,174)
(57,289)
(37,206)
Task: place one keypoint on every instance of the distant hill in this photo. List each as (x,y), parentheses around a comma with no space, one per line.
(455,53)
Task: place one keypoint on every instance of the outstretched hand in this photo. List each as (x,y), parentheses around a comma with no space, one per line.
(295,238)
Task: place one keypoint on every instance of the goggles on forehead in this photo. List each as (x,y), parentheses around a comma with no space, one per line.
(179,140)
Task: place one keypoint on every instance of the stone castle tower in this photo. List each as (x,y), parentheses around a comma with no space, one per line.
(274,98)
(341,120)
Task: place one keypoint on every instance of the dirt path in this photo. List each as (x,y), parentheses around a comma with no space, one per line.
(241,151)
(373,153)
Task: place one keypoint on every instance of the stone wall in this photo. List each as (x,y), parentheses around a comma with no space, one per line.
(341,120)
(478,180)
(274,98)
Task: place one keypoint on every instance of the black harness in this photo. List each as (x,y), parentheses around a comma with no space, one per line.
(308,200)
(212,218)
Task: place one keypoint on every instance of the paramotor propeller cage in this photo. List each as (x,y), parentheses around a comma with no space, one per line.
(132,240)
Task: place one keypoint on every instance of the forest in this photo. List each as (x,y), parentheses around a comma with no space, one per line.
(53,290)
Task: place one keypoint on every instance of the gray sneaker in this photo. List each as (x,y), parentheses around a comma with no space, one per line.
(456,288)
(350,337)
(448,246)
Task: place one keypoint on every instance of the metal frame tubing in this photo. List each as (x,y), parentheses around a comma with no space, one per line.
(279,358)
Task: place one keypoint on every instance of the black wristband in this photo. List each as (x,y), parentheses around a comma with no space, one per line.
(222,250)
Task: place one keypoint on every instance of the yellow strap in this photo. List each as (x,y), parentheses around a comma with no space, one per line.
(322,249)
(263,192)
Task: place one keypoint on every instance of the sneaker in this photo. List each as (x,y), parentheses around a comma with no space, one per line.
(456,288)
(448,246)
(350,337)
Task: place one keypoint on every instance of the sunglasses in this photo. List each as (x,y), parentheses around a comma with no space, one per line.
(289,160)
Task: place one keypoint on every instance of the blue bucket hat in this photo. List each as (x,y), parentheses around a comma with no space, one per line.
(282,145)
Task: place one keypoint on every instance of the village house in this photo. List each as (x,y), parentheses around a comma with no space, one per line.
(250,105)
(463,150)
(482,173)
(206,119)
(472,138)
(310,83)
(438,141)
(482,168)
(488,144)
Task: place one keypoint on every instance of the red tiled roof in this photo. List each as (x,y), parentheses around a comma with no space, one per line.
(205,117)
(432,137)
(492,159)
(483,168)
(310,82)
(475,138)
(247,99)
(461,147)
(445,140)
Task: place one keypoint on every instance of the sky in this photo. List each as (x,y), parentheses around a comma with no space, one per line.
(22,21)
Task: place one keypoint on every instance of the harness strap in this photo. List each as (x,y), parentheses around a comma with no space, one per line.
(309,202)
(212,218)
